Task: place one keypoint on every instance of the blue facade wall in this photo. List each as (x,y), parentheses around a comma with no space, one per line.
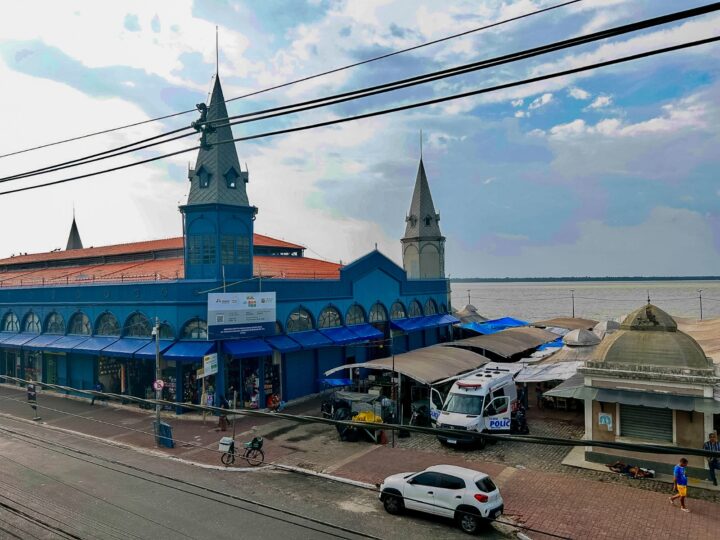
(329,358)
(415,340)
(82,371)
(299,374)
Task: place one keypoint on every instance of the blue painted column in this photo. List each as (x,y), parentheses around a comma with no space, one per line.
(219,379)
(262,401)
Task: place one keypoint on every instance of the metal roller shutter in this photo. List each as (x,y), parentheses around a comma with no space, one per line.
(646,423)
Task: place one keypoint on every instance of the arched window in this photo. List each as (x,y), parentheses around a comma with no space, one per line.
(31,323)
(195,329)
(329,318)
(415,309)
(10,322)
(397,311)
(107,325)
(443,308)
(299,320)
(378,313)
(54,324)
(430,307)
(355,315)
(137,325)
(166,331)
(79,324)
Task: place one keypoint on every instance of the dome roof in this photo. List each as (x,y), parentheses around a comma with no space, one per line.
(604,328)
(649,317)
(580,338)
(663,347)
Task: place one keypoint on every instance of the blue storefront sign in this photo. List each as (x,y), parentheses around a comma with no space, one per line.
(240,315)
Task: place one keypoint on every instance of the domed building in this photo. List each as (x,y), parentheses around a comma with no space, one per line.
(647,383)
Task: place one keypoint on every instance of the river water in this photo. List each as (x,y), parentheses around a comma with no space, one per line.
(533,301)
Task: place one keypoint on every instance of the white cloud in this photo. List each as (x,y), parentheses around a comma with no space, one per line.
(521,114)
(518,102)
(600,102)
(541,101)
(578,93)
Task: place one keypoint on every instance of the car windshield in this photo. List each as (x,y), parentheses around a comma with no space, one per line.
(463,404)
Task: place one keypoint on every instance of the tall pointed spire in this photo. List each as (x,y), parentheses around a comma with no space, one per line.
(422,220)
(217,176)
(74,241)
(423,243)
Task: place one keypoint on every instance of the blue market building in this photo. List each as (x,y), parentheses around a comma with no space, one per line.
(77,316)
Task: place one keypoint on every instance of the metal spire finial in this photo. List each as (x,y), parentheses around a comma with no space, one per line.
(421,141)
(217,53)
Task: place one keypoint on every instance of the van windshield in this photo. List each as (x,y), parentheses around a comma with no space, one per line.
(463,404)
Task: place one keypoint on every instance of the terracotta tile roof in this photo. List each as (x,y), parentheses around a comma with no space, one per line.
(126,249)
(295,268)
(271,267)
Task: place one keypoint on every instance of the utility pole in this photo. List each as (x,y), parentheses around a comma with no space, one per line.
(158,378)
(572,294)
(700,295)
(397,403)
(468,291)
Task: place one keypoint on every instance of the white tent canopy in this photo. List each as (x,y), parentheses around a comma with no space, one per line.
(561,371)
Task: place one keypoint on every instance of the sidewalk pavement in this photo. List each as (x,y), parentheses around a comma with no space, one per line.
(561,501)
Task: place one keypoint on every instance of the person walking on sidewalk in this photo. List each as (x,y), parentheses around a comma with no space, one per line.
(712,445)
(99,387)
(680,476)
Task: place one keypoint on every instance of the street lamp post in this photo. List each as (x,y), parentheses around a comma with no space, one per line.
(158,377)
(572,294)
(700,296)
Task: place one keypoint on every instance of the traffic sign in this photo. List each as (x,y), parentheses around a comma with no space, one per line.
(159,384)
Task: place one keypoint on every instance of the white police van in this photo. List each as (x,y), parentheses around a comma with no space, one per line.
(482,402)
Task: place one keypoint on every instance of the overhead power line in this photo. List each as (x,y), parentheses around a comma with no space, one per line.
(379,89)
(384,111)
(303,79)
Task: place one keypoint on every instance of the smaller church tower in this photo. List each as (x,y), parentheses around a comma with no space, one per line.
(423,244)
(74,241)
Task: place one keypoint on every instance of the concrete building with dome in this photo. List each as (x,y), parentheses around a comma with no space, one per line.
(647,383)
(76,316)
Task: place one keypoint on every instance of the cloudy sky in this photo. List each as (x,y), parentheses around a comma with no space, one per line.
(608,172)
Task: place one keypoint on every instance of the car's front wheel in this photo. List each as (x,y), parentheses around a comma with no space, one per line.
(468,522)
(393,504)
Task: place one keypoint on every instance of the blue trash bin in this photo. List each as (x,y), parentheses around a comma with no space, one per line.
(164,435)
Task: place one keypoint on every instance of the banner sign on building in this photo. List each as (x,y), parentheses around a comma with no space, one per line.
(210,364)
(240,315)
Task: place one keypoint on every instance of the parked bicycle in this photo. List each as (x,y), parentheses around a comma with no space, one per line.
(253,453)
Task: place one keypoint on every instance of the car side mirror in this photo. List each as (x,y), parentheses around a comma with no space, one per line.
(490,411)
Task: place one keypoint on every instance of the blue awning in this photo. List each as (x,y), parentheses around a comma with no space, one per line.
(148,351)
(246,348)
(42,341)
(284,344)
(366,331)
(126,347)
(340,335)
(18,340)
(331,383)
(95,345)
(415,324)
(311,339)
(66,344)
(6,335)
(448,319)
(189,351)
(495,325)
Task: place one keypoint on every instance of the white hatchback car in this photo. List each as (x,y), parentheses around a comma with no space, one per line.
(470,497)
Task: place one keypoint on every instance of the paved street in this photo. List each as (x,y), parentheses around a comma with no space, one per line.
(539,491)
(67,492)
